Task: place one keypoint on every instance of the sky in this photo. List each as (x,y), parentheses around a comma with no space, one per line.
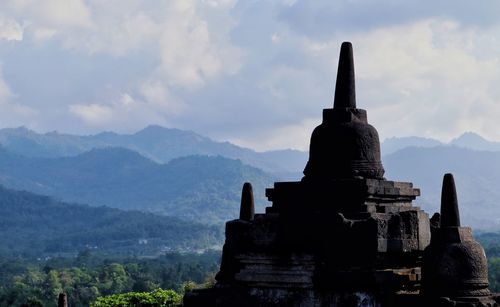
(255,73)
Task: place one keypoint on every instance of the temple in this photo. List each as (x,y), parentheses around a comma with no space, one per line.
(344,235)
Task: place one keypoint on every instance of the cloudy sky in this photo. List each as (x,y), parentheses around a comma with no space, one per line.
(257,73)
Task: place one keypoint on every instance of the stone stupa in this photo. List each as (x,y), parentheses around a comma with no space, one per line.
(343,235)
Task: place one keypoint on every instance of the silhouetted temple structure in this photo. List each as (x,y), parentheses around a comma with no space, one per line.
(346,236)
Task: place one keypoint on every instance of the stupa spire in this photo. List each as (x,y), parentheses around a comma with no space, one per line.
(345,91)
(247,207)
(450,216)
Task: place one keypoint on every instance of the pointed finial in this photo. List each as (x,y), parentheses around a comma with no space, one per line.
(345,92)
(450,217)
(247,209)
(63,300)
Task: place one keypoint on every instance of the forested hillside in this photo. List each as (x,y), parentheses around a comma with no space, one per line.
(197,188)
(33,226)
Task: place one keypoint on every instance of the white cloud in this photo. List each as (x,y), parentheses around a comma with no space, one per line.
(52,13)
(293,136)
(10,29)
(220,3)
(15,114)
(93,114)
(117,35)
(5,92)
(127,112)
(193,52)
(191,45)
(158,95)
(43,34)
(186,41)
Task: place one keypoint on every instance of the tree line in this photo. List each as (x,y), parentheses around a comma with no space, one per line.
(90,279)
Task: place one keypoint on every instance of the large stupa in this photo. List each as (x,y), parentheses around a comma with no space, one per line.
(344,235)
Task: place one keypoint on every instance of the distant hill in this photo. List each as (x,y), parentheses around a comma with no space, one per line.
(36,226)
(474,141)
(394,144)
(468,140)
(197,188)
(154,142)
(477,175)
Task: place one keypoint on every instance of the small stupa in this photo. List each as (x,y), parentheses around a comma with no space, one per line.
(455,268)
(343,235)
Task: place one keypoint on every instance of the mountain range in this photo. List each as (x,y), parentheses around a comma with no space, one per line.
(153,142)
(154,170)
(164,144)
(468,140)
